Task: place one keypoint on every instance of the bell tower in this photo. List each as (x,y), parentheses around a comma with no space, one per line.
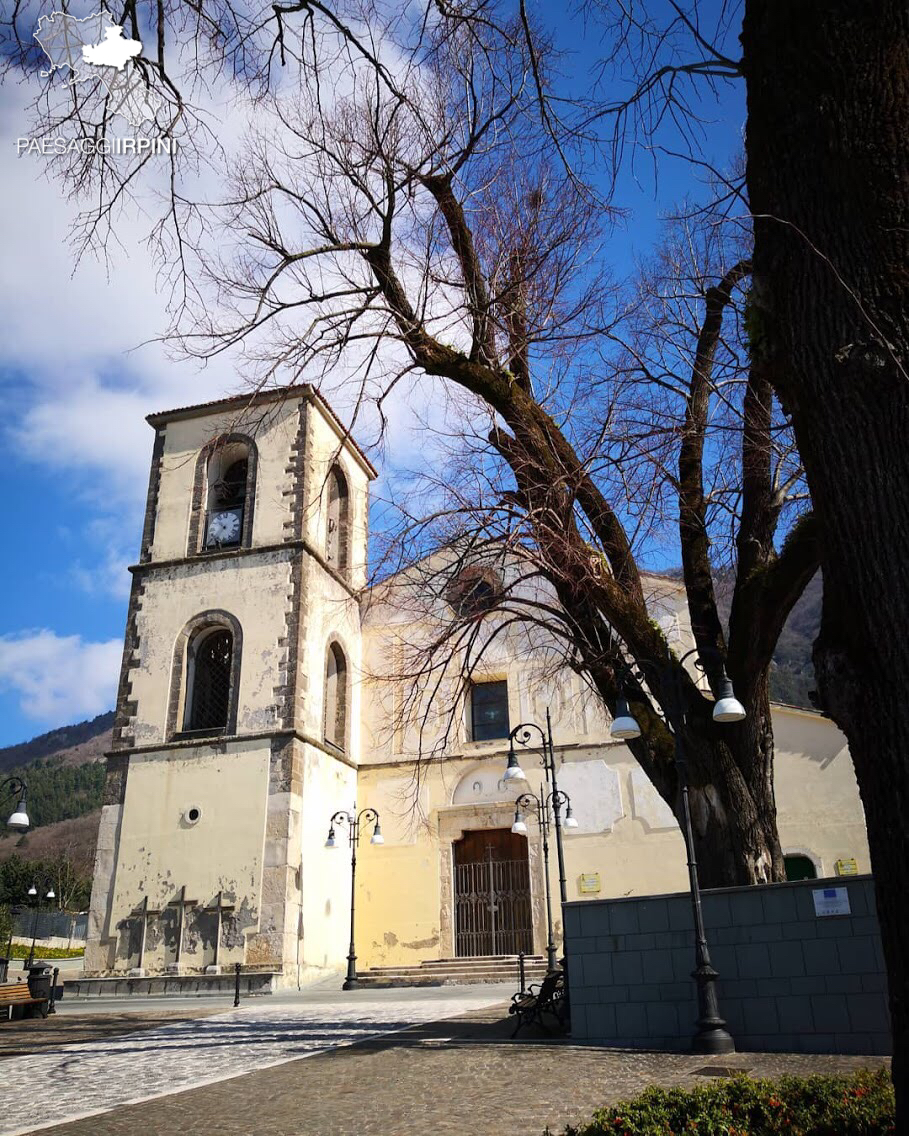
(238,723)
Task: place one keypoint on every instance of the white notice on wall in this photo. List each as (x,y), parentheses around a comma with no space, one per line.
(831,901)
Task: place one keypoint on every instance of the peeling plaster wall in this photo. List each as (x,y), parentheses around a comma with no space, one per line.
(265,802)
(254,591)
(160,850)
(627,835)
(273,427)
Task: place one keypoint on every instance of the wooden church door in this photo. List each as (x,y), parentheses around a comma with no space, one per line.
(493,913)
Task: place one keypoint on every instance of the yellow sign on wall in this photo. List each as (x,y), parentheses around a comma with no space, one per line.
(589,883)
(845,867)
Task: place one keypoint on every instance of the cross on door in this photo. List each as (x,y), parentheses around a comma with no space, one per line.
(144,913)
(219,908)
(181,903)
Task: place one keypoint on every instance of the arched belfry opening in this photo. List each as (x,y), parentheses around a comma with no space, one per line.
(337,530)
(228,478)
(492,900)
(335,717)
(224,494)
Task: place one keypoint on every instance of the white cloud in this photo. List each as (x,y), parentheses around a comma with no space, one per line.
(109,547)
(60,678)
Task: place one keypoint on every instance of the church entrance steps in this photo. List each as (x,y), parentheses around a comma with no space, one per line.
(470,971)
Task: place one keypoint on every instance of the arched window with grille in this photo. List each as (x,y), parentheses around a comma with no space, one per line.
(336,697)
(337,534)
(209,675)
(206,676)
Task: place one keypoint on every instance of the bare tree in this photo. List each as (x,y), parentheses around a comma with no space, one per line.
(422,222)
(413,205)
(825,185)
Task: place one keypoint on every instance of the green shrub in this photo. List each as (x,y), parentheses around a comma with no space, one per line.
(857,1105)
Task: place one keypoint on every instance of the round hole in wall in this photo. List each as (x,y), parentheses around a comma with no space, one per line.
(193,814)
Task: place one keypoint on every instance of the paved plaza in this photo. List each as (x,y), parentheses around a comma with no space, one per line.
(394,1062)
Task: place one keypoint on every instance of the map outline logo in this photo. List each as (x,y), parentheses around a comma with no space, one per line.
(95,49)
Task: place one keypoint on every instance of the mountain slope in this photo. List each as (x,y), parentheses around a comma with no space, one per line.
(73,745)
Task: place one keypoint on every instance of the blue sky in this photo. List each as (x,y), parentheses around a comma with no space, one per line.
(76,387)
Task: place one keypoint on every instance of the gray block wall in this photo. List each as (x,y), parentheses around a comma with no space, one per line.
(790,981)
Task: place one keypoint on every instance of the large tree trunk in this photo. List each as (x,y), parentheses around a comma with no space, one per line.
(733,810)
(828,181)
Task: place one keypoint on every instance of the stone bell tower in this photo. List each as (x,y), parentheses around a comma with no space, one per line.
(237,728)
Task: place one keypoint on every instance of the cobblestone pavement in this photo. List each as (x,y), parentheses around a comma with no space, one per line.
(93,1076)
(462,1076)
(33,1035)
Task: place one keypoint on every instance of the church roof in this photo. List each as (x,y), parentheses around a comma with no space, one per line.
(256,398)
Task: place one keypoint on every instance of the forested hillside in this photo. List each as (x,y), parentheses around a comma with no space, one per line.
(792,671)
(61,792)
(83,741)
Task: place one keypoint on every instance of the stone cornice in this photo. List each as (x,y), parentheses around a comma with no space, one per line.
(208,556)
(224,741)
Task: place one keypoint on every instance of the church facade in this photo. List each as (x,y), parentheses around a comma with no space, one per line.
(257,698)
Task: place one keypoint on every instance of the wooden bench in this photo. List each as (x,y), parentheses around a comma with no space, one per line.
(546,997)
(19,995)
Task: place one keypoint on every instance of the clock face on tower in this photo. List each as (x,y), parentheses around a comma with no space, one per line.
(224,527)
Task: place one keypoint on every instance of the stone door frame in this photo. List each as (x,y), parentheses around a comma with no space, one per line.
(454,822)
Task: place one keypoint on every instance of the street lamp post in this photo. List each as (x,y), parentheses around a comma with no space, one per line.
(711,1036)
(354,822)
(36,904)
(541,806)
(17,788)
(513,772)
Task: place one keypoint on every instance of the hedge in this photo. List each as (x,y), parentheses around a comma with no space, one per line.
(22,951)
(858,1105)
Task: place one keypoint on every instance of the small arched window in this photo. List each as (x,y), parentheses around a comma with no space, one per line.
(475,591)
(336,697)
(208,681)
(228,509)
(799,867)
(337,535)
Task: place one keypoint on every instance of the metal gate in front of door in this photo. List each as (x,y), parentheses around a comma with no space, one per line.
(493,914)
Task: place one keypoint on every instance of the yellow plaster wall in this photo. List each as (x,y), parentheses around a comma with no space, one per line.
(628,835)
(160,852)
(819,809)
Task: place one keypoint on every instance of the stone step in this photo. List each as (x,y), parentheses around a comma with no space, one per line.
(469,971)
(504,973)
(479,962)
(162,986)
(440,978)
(462,976)
(483,960)
(509,969)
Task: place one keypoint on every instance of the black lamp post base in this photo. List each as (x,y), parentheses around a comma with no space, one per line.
(713,1040)
(712,1036)
(351,982)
